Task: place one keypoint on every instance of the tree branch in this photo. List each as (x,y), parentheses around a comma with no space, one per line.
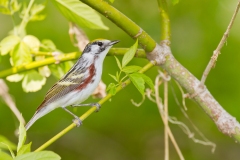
(163,55)
(165,21)
(62,58)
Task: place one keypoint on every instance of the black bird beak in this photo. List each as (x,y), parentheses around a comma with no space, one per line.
(113,42)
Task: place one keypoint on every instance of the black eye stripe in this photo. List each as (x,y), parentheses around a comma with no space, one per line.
(100,44)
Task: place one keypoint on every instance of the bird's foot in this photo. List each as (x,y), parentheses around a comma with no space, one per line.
(77,121)
(98,106)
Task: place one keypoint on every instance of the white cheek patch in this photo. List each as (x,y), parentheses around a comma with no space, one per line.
(94,49)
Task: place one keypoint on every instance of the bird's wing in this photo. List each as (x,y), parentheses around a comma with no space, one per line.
(62,87)
(73,80)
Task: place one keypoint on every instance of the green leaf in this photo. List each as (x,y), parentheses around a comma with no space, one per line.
(131,69)
(24,149)
(111,1)
(10,150)
(48,45)
(128,56)
(21,54)
(138,82)
(22,136)
(8,44)
(114,77)
(14,6)
(5,156)
(61,69)
(118,63)
(146,79)
(112,88)
(80,13)
(15,77)
(6,142)
(174,2)
(35,12)
(44,71)
(32,42)
(33,81)
(57,70)
(4,7)
(118,76)
(9,9)
(42,155)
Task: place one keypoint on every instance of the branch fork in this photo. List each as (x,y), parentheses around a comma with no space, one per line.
(160,52)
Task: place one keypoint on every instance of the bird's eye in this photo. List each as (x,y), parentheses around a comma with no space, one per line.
(100,44)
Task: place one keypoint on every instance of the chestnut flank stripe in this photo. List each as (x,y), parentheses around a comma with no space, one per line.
(92,72)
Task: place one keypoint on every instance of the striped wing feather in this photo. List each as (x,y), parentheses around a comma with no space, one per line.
(61,88)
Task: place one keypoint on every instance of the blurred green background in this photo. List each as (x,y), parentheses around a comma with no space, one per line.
(121,130)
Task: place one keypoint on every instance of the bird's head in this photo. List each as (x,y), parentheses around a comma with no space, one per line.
(99,47)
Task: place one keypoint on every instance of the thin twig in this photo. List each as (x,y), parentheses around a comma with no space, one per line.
(219,47)
(160,108)
(185,129)
(166,119)
(183,95)
(9,101)
(25,17)
(139,103)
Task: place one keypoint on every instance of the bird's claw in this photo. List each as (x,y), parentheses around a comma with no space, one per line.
(98,106)
(77,121)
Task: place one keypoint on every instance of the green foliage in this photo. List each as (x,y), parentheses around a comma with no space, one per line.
(80,13)
(35,13)
(138,79)
(22,137)
(9,7)
(5,143)
(8,44)
(21,54)
(26,148)
(129,54)
(48,45)
(138,82)
(33,81)
(23,150)
(24,49)
(112,88)
(5,156)
(46,155)
(131,69)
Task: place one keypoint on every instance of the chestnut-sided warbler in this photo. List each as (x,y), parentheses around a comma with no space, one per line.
(78,83)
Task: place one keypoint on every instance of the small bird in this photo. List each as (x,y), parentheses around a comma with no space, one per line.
(78,83)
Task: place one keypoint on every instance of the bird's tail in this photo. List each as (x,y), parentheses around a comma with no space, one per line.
(35,117)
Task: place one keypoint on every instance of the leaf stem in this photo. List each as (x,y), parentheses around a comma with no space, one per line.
(25,18)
